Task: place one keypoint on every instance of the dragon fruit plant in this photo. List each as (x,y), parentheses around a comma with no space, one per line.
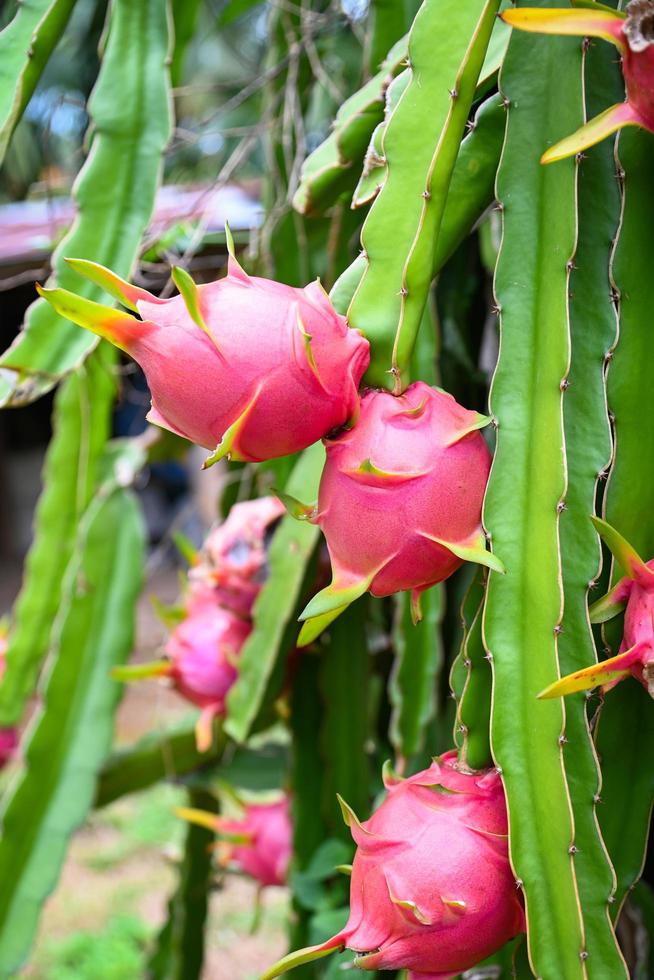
(257,844)
(633,594)
(632,33)
(247,367)
(464,566)
(432,889)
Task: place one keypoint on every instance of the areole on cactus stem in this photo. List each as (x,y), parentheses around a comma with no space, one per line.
(635,595)
(432,890)
(249,368)
(633,35)
(400,500)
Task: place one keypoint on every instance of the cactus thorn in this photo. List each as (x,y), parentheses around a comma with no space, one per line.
(565,384)
(426,195)
(488,657)
(498,770)
(563,740)
(580,157)
(454,93)
(519,882)
(597,798)
(496,309)
(506,101)
(570,265)
(558,629)
(583,955)
(573,849)
(404,291)
(467,662)
(611,899)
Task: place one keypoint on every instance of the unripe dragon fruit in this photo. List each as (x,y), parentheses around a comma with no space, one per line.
(633,35)
(232,563)
(8,736)
(635,594)
(203,653)
(432,890)
(247,367)
(400,500)
(258,844)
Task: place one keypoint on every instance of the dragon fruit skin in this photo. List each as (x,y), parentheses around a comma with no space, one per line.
(203,651)
(232,564)
(632,34)
(266,855)
(259,843)
(400,499)
(635,594)
(8,736)
(247,367)
(432,889)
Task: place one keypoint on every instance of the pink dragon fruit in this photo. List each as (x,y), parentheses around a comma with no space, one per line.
(400,500)
(8,736)
(258,844)
(635,594)
(232,564)
(247,367)
(432,890)
(203,653)
(203,650)
(632,34)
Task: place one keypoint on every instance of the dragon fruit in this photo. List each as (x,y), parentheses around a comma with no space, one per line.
(432,890)
(232,565)
(203,653)
(635,594)
(400,500)
(8,736)
(633,35)
(258,844)
(249,368)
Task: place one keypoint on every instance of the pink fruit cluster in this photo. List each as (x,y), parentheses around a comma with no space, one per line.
(203,650)
(258,843)
(8,736)
(255,369)
(633,35)
(432,890)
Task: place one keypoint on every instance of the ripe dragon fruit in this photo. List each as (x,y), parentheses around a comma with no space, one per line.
(400,500)
(232,564)
(249,368)
(8,736)
(203,651)
(635,594)
(633,35)
(432,890)
(258,844)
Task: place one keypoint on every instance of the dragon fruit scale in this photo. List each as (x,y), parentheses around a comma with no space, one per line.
(635,594)
(232,563)
(247,367)
(258,843)
(632,33)
(432,890)
(400,500)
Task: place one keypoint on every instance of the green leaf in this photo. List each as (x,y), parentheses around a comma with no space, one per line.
(274,627)
(179,954)
(588,451)
(114,192)
(541,79)
(81,420)
(26,44)
(626,725)
(72,732)
(447,45)
(418,661)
